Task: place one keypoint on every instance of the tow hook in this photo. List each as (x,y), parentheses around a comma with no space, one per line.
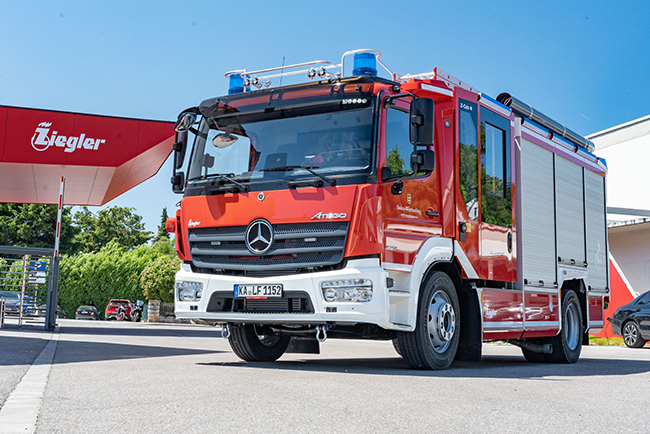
(321,333)
(225,330)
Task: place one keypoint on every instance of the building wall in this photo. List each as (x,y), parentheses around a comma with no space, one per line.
(626,148)
(630,246)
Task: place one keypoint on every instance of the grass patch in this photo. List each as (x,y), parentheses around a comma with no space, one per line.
(613,341)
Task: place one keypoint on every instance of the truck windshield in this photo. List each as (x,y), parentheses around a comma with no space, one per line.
(329,141)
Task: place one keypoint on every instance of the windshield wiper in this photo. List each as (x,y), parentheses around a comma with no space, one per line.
(331,182)
(228,178)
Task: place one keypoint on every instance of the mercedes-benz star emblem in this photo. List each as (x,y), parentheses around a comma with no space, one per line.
(259,237)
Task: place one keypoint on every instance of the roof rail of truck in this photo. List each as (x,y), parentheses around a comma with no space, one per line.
(245,81)
(437,74)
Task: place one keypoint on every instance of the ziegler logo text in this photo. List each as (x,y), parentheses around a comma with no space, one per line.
(42,141)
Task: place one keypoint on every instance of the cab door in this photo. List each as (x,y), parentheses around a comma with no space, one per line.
(498,261)
(467,202)
(410,203)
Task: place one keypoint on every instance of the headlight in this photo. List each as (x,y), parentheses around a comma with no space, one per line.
(347,290)
(189,291)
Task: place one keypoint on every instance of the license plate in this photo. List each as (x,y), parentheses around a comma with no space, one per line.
(258,291)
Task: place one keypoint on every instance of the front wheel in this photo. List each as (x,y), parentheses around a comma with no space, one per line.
(434,342)
(632,335)
(251,343)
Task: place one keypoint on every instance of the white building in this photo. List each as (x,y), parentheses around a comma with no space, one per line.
(626,148)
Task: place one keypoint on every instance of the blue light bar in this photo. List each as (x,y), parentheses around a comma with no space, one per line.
(236,84)
(364,64)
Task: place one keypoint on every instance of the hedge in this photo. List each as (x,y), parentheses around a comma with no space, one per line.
(113,272)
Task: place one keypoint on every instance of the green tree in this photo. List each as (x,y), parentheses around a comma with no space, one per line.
(157,279)
(119,224)
(395,162)
(162,231)
(34,225)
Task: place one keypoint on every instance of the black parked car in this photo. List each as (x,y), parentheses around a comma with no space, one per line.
(632,321)
(87,312)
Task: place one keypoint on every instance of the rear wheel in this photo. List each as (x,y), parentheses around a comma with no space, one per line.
(632,335)
(251,343)
(434,342)
(568,344)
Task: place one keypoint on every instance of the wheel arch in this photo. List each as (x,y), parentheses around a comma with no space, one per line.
(471,329)
(438,254)
(580,288)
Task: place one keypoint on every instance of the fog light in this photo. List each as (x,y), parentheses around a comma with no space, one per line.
(189,291)
(347,290)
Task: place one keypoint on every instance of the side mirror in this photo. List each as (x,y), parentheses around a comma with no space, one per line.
(185,121)
(423,161)
(421,122)
(179,149)
(178,182)
(385,174)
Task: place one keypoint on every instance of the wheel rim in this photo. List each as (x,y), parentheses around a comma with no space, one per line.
(572,326)
(266,340)
(442,321)
(629,334)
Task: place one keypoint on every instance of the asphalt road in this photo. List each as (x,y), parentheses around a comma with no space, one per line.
(157,378)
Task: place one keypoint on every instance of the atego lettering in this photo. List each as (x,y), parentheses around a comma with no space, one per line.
(43,139)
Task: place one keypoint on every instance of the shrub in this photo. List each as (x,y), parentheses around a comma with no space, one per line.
(113,272)
(157,279)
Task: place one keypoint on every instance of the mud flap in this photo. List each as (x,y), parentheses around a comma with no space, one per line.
(303,346)
(471,335)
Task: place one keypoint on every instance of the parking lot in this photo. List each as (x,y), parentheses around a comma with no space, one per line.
(139,377)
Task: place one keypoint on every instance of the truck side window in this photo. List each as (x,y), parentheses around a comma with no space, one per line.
(468,156)
(398,145)
(496,204)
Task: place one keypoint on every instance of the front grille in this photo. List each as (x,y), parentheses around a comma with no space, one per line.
(292,302)
(295,247)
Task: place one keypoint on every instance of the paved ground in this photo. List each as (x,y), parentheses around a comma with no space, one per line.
(124,377)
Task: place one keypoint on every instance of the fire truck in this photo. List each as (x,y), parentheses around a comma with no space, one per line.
(409,208)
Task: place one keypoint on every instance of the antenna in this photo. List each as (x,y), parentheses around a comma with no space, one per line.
(282,71)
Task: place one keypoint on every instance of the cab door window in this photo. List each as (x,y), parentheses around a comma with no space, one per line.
(468,156)
(496,200)
(398,144)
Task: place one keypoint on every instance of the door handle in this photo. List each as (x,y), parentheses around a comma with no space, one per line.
(431,213)
(509,242)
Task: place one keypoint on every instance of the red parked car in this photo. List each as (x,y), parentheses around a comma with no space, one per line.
(113,307)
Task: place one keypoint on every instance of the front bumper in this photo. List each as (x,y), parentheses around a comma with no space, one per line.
(375,311)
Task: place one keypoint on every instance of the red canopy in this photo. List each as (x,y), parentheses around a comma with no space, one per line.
(101,157)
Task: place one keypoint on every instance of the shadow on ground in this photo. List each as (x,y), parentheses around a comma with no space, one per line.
(138,329)
(506,367)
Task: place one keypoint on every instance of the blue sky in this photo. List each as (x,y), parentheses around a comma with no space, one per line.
(584,63)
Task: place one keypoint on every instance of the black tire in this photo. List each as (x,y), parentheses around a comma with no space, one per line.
(567,345)
(532,357)
(632,335)
(396,346)
(249,345)
(434,342)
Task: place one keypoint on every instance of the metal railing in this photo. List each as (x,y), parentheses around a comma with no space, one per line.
(29,283)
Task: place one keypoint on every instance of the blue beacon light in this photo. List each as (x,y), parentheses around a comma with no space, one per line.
(364,64)
(236,83)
